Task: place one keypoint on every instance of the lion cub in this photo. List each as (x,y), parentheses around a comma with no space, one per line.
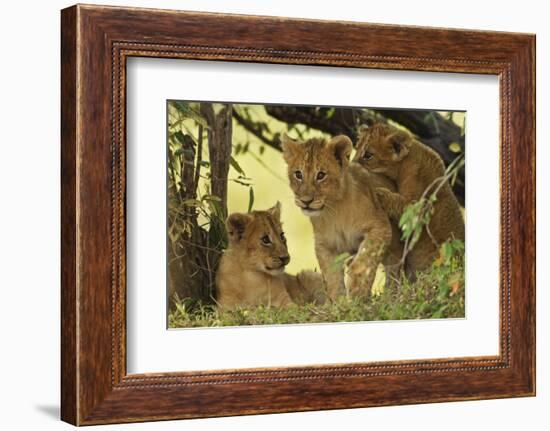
(346,216)
(414,167)
(252,269)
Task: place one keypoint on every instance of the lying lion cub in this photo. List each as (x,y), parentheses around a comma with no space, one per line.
(414,167)
(252,269)
(346,216)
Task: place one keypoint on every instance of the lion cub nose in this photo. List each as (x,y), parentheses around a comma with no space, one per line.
(306,201)
(284,259)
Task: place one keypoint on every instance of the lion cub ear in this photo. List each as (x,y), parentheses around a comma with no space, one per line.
(275,211)
(399,144)
(341,147)
(236,224)
(290,146)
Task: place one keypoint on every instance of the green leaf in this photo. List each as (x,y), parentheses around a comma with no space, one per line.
(189,112)
(439,313)
(338,261)
(250,199)
(457,244)
(236,166)
(455,147)
(447,252)
(238,181)
(444,290)
(416,235)
(215,209)
(192,202)
(180,137)
(211,198)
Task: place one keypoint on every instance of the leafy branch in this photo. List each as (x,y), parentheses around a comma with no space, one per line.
(417,215)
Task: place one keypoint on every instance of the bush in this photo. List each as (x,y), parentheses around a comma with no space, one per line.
(435,294)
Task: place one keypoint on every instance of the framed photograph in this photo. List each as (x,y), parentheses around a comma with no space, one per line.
(266,215)
(230,262)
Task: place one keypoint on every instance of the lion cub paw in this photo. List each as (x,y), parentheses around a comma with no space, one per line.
(357,278)
(391,202)
(385,196)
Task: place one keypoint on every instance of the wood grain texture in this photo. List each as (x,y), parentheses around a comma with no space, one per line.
(69,367)
(96,41)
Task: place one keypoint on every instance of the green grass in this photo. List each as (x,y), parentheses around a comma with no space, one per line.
(436,294)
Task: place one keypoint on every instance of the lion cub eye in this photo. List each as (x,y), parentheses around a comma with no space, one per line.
(321,176)
(367,156)
(266,240)
(283,237)
(298,175)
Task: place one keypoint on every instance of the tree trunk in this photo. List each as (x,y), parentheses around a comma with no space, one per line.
(220,133)
(194,254)
(182,255)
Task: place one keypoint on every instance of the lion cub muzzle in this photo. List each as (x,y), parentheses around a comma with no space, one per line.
(310,207)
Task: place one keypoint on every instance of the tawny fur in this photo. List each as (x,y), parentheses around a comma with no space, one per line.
(346,216)
(394,153)
(251,271)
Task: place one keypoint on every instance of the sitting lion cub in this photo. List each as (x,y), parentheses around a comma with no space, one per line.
(414,167)
(339,198)
(252,269)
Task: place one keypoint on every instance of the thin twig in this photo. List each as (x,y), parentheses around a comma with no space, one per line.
(199,159)
(251,128)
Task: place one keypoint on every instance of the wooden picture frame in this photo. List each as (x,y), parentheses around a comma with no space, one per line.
(95,43)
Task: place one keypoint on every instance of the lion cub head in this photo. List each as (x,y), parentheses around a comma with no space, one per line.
(316,170)
(259,239)
(381,148)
